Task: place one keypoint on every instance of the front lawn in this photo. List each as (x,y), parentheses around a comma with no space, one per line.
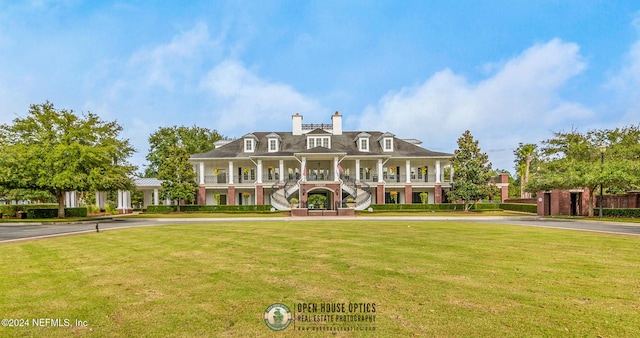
(427,279)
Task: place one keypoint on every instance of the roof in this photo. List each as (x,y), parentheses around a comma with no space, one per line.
(297,144)
(147,182)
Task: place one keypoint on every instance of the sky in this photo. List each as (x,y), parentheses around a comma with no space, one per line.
(508,71)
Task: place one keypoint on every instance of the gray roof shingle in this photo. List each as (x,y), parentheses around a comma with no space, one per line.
(294,144)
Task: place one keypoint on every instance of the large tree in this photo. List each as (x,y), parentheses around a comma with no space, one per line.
(58,151)
(194,139)
(471,172)
(179,178)
(609,157)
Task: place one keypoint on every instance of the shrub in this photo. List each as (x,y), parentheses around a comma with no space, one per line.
(76,212)
(10,210)
(110,209)
(417,207)
(486,206)
(163,209)
(532,208)
(42,213)
(53,212)
(94,209)
(627,212)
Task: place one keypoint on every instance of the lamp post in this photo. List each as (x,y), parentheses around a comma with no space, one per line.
(602,150)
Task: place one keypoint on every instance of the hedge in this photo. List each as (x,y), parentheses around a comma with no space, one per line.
(162,209)
(627,212)
(33,213)
(433,207)
(532,208)
(10,210)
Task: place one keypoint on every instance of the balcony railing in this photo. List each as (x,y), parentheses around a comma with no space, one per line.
(216,179)
(312,126)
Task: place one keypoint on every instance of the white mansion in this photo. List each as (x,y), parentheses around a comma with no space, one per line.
(321,160)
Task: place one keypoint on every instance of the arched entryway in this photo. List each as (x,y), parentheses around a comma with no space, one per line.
(320,199)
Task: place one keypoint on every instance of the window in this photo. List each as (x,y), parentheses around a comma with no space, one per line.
(388,144)
(248,145)
(364,144)
(313,142)
(273,145)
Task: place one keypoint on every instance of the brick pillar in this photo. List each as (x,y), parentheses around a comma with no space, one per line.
(380,194)
(540,198)
(408,194)
(231,195)
(437,194)
(259,195)
(202,195)
(504,189)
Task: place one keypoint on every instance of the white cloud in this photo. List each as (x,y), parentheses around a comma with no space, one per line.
(625,84)
(519,102)
(250,103)
(165,64)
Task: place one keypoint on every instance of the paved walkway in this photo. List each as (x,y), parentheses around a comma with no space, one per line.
(10,232)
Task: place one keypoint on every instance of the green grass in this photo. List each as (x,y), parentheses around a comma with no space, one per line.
(441,213)
(432,279)
(209,215)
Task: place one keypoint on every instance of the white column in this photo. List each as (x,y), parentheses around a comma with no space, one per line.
(148,197)
(230,172)
(407,170)
(259,172)
(380,171)
(120,204)
(156,198)
(336,173)
(281,165)
(358,170)
(127,200)
(437,171)
(303,169)
(451,173)
(201,172)
(101,199)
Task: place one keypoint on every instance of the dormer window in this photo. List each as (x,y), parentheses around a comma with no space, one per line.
(250,141)
(273,140)
(388,144)
(318,141)
(362,141)
(386,141)
(364,144)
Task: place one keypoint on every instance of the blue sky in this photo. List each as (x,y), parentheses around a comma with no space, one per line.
(509,71)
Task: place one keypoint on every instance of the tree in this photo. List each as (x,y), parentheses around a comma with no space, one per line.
(178,175)
(57,151)
(194,139)
(526,157)
(609,157)
(38,196)
(472,172)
